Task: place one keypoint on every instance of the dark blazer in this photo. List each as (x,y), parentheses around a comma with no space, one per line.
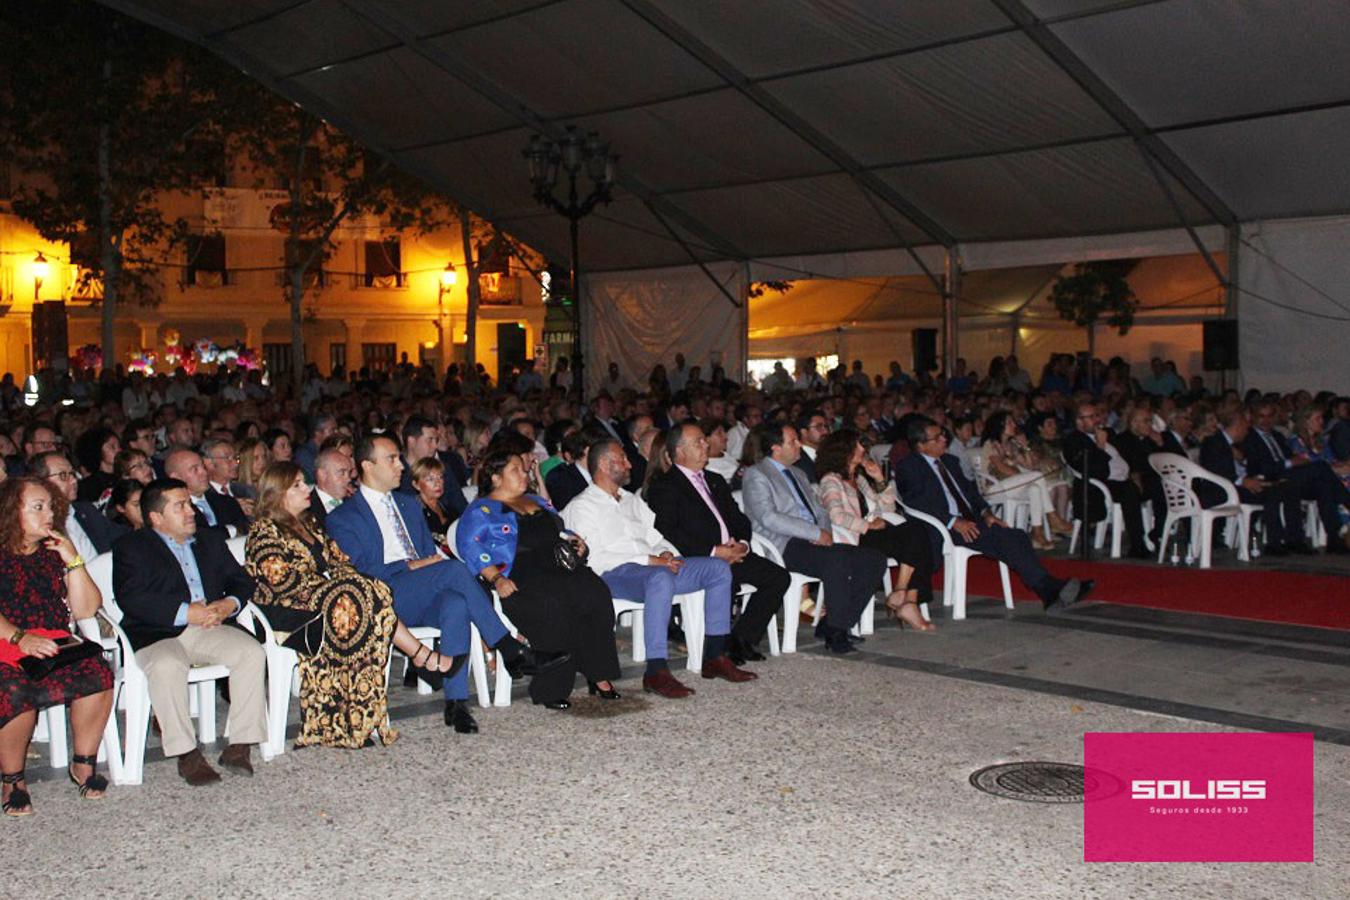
(685,520)
(316,507)
(149,585)
(1136,451)
(1216,455)
(1075,444)
(1260,461)
(354,526)
(1171,444)
(807,465)
(452,499)
(102,531)
(227,510)
(919,487)
(563,483)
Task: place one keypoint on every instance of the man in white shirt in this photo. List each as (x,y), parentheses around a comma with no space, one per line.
(638,563)
(1089,445)
(222,465)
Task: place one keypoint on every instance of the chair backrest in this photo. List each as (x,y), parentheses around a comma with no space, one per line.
(237,545)
(450,536)
(100,569)
(1177,472)
(1096,484)
(739,497)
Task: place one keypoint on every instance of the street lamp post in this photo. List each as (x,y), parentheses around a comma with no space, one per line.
(41,268)
(573,153)
(447,281)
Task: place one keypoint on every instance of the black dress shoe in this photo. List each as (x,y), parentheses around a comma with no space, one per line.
(458,717)
(553,704)
(742,651)
(522,661)
(595,690)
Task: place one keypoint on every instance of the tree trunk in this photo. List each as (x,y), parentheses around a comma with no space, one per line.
(297,330)
(1092,346)
(110,251)
(475,297)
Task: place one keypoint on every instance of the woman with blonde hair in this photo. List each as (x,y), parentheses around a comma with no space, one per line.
(339,621)
(254,457)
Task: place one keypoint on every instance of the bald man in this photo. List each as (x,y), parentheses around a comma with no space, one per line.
(214,509)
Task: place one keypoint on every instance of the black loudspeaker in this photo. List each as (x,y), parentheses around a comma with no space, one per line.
(1221,345)
(925,349)
(51,345)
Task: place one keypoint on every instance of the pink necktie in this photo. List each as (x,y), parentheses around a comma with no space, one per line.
(702,484)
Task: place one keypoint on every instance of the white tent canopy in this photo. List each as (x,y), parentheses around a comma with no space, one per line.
(813,133)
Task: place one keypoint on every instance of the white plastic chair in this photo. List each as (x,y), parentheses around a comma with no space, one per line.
(798,580)
(52,724)
(282,663)
(1115,518)
(1005,496)
(133,689)
(1177,474)
(955,562)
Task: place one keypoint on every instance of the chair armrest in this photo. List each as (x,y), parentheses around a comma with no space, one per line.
(129,664)
(947,545)
(1199,473)
(893,517)
(766,549)
(1105,491)
(251,614)
(843,536)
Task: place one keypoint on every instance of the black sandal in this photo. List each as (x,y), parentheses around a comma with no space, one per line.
(20,802)
(95,781)
(434,677)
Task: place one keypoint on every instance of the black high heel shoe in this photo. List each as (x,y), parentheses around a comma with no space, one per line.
(554,704)
(594,689)
(434,676)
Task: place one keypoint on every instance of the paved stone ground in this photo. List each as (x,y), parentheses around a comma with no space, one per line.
(827,777)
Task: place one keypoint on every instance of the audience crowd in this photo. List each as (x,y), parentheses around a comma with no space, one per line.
(388,501)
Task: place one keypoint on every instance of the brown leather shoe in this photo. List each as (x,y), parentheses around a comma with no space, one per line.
(723,667)
(665,684)
(195,770)
(236,759)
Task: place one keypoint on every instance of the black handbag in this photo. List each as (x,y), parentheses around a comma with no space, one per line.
(307,640)
(566,554)
(38,669)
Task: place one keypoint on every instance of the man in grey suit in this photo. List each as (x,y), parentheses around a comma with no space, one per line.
(784,510)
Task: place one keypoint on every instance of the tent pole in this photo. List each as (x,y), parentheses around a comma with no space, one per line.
(1232,294)
(951,289)
(744,376)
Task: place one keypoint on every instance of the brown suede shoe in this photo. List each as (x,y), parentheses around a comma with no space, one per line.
(195,770)
(236,759)
(723,667)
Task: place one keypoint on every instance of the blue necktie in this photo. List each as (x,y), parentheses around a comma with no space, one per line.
(800,496)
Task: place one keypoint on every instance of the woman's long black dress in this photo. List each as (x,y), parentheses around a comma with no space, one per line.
(560,611)
(905,543)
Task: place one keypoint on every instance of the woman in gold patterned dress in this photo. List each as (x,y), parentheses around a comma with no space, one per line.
(339,621)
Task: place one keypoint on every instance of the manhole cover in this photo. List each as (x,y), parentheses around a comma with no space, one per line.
(1036,782)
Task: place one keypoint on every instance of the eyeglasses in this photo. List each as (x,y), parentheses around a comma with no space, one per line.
(64,476)
(225,458)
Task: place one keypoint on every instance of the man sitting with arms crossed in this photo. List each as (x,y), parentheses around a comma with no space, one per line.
(930,480)
(696,512)
(784,510)
(176,585)
(386,536)
(637,563)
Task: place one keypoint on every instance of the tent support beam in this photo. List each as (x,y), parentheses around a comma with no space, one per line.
(1181,217)
(870,182)
(950,292)
(1072,65)
(1232,294)
(694,257)
(477,82)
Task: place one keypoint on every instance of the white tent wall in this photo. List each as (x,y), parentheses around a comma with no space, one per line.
(878,346)
(1290,262)
(639,319)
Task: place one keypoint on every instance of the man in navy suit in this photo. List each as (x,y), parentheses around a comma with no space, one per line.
(387,538)
(930,480)
(1268,457)
(421,437)
(1223,454)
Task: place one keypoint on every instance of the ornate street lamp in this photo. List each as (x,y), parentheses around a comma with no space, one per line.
(41,269)
(572,154)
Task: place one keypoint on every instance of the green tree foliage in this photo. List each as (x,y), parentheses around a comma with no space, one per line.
(98,115)
(1097,291)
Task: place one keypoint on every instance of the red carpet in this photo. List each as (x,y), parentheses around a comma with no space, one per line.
(1292,598)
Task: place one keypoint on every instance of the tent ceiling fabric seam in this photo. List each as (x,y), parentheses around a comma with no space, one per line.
(688,42)
(1114,105)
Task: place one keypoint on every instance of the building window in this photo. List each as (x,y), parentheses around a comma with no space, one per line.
(279,360)
(384,263)
(206,260)
(379,357)
(337,357)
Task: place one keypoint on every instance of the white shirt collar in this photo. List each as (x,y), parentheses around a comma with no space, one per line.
(373,497)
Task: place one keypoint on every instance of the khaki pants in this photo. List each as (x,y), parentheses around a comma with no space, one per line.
(166,664)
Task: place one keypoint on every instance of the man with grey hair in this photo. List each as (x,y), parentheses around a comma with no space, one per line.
(222,466)
(335,481)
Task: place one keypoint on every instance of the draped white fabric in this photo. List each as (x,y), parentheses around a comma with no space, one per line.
(1303,265)
(640,319)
